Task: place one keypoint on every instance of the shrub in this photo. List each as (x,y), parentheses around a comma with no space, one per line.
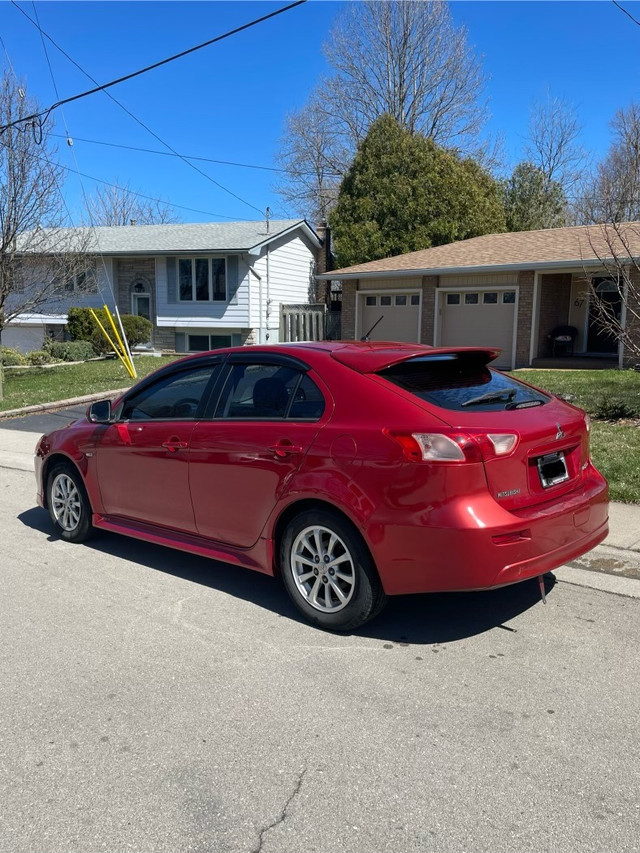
(71,350)
(39,356)
(11,357)
(82,327)
(609,409)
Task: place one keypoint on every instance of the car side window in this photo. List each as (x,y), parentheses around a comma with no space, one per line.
(174,397)
(268,392)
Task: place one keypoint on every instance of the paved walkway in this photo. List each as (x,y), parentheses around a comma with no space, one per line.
(613,566)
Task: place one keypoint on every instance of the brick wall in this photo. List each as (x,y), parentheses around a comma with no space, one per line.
(349,289)
(525,317)
(555,299)
(429,288)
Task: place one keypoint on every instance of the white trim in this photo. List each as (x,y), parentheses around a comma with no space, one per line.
(535,317)
(37,320)
(514,339)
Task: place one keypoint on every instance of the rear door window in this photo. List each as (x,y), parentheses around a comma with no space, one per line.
(462,382)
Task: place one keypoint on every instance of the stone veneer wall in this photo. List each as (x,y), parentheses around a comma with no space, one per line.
(126,272)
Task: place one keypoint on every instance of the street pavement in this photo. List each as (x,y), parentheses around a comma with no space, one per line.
(158,702)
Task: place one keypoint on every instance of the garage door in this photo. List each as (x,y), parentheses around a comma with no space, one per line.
(397,316)
(479,318)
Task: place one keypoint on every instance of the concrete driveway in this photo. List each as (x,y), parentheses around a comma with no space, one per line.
(153,701)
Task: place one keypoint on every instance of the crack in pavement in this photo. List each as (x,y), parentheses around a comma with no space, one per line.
(283,814)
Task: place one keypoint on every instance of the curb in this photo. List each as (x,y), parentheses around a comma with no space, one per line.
(59,404)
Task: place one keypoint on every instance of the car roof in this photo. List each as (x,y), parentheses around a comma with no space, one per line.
(362,356)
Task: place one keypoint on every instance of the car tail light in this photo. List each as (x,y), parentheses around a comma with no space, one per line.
(453,447)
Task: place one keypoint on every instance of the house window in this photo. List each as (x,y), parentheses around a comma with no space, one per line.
(202,343)
(371,300)
(471,299)
(490,298)
(508,297)
(83,281)
(415,299)
(453,299)
(401,300)
(202,279)
(385,300)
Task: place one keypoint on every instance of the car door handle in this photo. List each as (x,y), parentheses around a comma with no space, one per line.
(283,448)
(173,445)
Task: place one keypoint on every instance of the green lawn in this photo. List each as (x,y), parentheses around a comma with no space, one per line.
(46,385)
(615,447)
(590,387)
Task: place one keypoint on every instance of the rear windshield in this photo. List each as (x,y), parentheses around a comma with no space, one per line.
(462,382)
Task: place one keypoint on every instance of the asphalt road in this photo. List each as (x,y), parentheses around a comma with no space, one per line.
(152,701)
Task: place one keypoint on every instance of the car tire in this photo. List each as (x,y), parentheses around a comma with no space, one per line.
(328,571)
(68,504)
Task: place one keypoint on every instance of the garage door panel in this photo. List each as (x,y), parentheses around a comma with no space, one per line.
(396,317)
(479,323)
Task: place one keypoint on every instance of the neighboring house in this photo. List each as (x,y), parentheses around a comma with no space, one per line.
(202,286)
(507,290)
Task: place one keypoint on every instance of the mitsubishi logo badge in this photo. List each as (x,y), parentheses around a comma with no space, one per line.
(559,433)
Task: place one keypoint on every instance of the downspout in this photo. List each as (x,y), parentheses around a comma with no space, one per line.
(260,328)
(623,321)
(268,306)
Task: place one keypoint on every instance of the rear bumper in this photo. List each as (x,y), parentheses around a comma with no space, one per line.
(487,547)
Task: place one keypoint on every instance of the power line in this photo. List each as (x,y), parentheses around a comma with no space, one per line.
(135,118)
(185,156)
(148,197)
(105,86)
(628,14)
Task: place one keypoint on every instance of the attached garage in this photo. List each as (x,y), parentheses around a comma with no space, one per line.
(395,315)
(479,317)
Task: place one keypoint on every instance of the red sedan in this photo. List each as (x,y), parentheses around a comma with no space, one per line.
(353,470)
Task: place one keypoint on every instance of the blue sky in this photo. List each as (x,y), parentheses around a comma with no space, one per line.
(229,101)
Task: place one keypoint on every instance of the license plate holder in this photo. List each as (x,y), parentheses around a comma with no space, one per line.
(552,469)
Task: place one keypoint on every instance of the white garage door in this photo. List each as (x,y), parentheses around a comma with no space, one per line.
(397,316)
(479,318)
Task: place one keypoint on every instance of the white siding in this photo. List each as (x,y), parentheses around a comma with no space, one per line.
(290,273)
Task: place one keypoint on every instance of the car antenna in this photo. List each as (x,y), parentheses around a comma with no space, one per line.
(366,337)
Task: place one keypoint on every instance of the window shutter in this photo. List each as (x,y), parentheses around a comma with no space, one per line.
(172,289)
(232,277)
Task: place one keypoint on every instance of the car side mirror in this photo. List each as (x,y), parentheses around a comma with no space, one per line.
(100,412)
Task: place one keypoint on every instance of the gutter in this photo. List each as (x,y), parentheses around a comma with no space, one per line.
(336,275)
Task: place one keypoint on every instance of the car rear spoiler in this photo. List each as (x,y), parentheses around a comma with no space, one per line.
(368,361)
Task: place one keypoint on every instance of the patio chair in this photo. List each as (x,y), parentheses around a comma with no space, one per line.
(562,340)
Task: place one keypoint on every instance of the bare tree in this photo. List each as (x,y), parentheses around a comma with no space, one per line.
(38,257)
(552,144)
(120,205)
(404,58)
(617,246)
(613,192)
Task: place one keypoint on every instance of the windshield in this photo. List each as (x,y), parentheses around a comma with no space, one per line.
(462,381)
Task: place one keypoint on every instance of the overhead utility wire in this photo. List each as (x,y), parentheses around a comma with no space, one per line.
(139,121)
(148,67)
(628,14)
(185,156)
(148,197)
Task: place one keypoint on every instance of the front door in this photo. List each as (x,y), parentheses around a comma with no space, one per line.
(605,294)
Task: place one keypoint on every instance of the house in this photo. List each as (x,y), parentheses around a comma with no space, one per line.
(508,290)
(202,285)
